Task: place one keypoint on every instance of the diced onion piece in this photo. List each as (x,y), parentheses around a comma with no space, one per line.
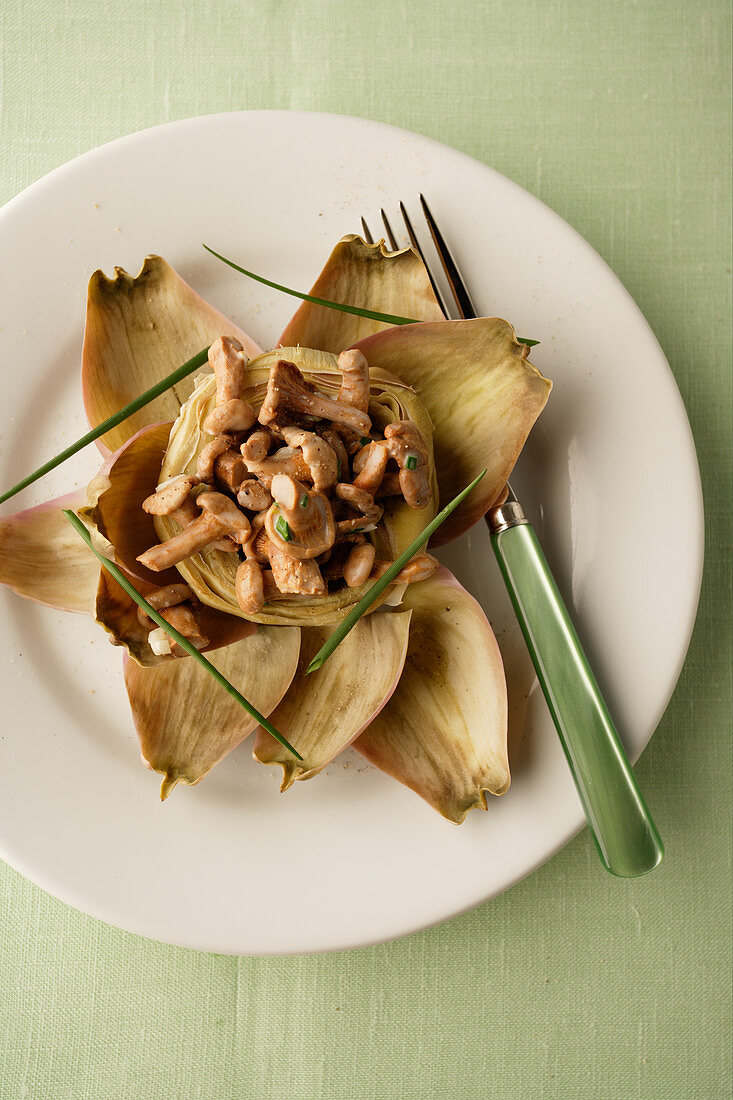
(159,642)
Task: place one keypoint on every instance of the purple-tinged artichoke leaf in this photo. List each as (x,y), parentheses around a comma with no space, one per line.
(117,613)
(113,511)
(365,275)
(443,733)
(483,396)
(43,559)
(186,722)
(121,531)
(325,711)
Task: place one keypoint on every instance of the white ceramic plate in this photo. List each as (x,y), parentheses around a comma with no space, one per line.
(609,476)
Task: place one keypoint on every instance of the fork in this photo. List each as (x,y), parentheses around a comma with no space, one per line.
(625,835)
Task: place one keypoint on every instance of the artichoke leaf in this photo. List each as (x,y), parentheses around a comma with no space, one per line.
(324,712)
(121,530)
(113,510)
(186,723)
(366,275)
(211,573)
(43,559)
(117,613)
(138,330)
(482,394)
(443,733)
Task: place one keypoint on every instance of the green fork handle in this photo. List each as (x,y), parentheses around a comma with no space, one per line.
(622,828)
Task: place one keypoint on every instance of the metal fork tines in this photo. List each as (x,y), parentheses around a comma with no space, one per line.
(462,299)
(464,305)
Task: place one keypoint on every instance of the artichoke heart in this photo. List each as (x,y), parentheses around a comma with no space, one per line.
(210,573)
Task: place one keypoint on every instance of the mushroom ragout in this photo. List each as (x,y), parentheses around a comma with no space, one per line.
(295,488)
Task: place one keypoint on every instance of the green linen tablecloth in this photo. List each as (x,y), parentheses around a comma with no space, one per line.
(572,985)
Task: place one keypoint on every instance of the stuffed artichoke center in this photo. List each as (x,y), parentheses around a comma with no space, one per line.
(290,482)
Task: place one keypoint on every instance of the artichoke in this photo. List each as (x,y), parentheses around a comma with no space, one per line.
(418,686)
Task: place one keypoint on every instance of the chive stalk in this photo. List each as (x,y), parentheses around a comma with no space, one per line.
(199,360)
(386,579)
(373,315)
(181,639)
(358,311)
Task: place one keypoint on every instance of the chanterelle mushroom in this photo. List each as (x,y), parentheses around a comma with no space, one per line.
(293,576)
(173,499)
(300,523)
(320,458)
(361,500)
(253,548)
(286,460)
(182,619)
(208,456)
(230,471)
(336,443)
(169,595)
(288,393)
(355,379)
(256,446)
(354,391)
(232,412)
(370,468)
(407,446)
(170,496)
(219,516)
(359,564)
(254,495)
(249,586)
(420,568)
(176,604)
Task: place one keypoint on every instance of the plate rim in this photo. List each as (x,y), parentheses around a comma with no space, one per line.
(50,178)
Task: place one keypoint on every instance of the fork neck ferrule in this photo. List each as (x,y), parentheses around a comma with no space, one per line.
(509,514)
